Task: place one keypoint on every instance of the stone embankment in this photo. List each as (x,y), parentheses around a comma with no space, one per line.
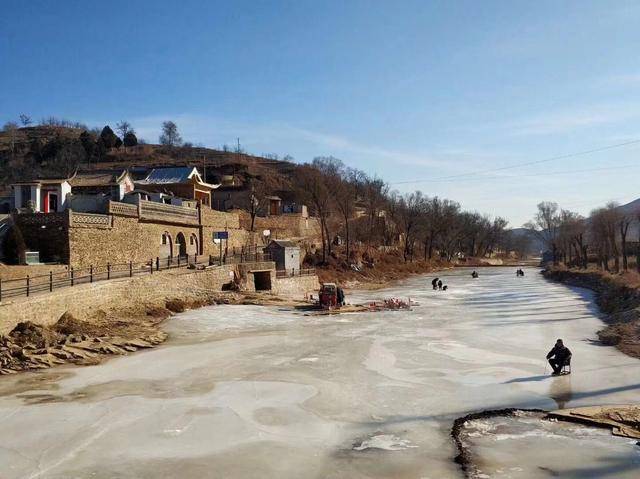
(620,304)
(85,323)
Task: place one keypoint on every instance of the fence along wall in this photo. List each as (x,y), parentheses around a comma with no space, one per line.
(122,295)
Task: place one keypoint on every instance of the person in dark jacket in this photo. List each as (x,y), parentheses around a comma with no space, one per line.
(558,357)
(434,283)
(340,294)
(474,274)
(439,284)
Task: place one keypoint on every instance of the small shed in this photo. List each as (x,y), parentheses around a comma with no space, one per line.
(286,255)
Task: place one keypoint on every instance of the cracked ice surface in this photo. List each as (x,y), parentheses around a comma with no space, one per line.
(252,392)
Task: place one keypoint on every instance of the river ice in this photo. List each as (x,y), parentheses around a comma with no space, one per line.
(256,392)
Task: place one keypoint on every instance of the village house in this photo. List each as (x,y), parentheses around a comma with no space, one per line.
(183,181)
(102,216)
(41,195)
(114,184)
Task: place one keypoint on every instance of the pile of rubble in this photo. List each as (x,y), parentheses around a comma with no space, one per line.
(32,346)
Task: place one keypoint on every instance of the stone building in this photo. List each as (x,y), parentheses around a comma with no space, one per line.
(286,255)
(126,232)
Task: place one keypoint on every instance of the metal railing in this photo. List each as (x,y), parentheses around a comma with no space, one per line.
(291,273)
(47,283)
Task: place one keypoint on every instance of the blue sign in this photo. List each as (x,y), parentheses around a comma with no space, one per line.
(220,235)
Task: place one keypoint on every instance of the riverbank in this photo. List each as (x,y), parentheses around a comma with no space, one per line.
(376,270)
(618,297)
(87,323)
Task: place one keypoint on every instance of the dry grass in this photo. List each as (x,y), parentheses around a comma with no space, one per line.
(376,269)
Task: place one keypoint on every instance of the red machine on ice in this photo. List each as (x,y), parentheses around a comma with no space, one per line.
(329,296)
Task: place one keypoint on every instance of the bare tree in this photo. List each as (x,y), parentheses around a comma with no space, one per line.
(312,187)
(545,225)
(170,135)
(604,227)
(410,209)
(25,120)
(256,200)
(345,201)
(11,127)
(623,226)
(124,127)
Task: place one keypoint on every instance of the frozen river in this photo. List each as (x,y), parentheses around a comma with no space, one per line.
(255,392)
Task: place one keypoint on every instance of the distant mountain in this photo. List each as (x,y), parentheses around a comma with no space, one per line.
(632,208)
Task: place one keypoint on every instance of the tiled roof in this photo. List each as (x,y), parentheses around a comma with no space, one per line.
(179,174)
(98,178)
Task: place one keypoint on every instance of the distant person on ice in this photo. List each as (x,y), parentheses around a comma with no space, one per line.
(474,274)
(434,283)
(558,357)
(439,284)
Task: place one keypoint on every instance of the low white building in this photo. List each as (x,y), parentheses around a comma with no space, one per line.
(44,196)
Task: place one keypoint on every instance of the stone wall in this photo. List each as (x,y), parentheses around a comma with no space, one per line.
(88,300)
(298,287)
(81,239)
(246,273)
(127,240)
(290,226)
(212,221)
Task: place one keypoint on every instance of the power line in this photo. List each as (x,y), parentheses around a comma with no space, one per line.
(549,174)
(519,165)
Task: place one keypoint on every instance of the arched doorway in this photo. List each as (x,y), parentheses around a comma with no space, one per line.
(181,243)
(166,245)
(192,247)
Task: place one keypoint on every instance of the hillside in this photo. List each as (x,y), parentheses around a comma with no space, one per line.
(54,151)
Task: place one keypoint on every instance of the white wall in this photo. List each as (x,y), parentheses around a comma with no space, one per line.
(65,189)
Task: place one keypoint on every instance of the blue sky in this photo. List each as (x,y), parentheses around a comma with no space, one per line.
(407,90)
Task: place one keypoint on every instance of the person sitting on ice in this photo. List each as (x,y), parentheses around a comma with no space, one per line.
(434,283)
(474,274)
(559,357)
